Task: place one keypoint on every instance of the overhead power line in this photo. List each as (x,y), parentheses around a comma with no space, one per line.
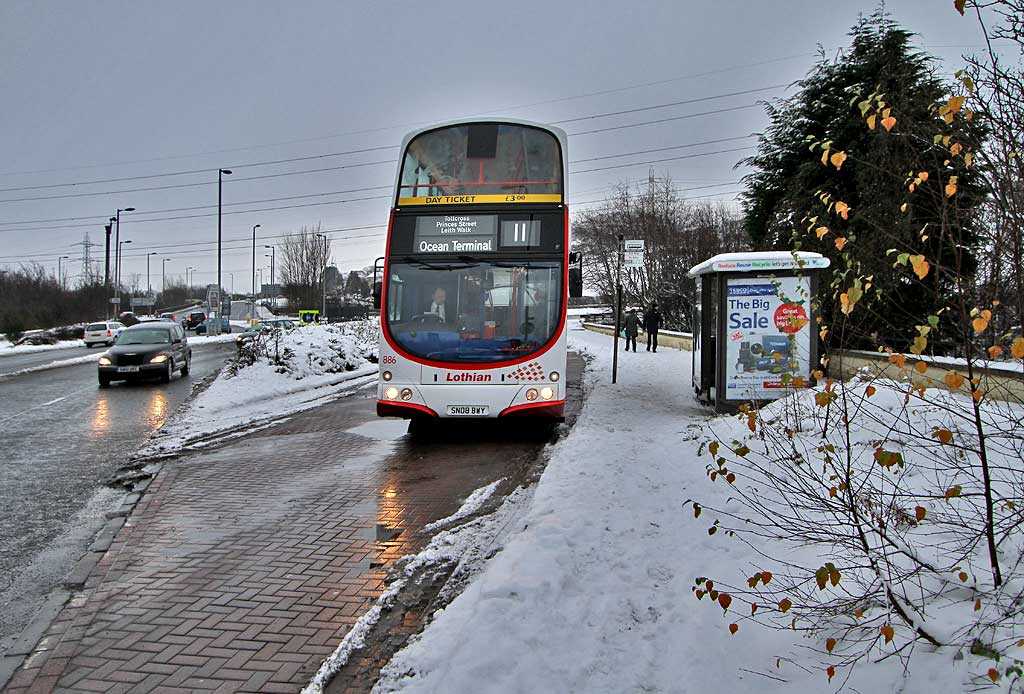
(613,90)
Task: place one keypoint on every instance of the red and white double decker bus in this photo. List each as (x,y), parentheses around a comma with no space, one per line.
(476,274)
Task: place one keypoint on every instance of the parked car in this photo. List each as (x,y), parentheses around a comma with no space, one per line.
(193,319)
(264,326)
(102,333)
(155,350)
(168,316)
(225,326)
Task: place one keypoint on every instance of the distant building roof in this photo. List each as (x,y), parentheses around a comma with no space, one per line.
(760,261)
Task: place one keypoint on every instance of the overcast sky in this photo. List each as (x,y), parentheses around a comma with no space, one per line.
(108,90)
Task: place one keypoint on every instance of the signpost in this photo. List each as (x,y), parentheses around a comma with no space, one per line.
(213,301)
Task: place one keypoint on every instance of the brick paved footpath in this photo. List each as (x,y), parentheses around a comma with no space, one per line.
(245,564)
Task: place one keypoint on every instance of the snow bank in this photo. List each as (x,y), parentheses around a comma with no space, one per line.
(301,369)
(594,589)
(8,349)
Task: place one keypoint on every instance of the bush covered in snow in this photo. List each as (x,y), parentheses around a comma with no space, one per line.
(312,350)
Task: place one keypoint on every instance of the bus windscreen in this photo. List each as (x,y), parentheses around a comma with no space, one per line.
(481,163)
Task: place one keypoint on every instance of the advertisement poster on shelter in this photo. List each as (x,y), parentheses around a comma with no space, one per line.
(768,335)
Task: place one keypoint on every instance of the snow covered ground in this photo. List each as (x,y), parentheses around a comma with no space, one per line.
(302,369)
(593,590)
(6,348)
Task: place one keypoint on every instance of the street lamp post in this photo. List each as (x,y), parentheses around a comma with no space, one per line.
(163,277)
(60,275)
(149,286)
(117,258)
(221,173)
(323,281)
(273,253)
(188,282)
(117,241)
(252,313)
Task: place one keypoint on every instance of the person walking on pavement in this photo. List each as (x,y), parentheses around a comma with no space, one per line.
(632,327)
(652,323)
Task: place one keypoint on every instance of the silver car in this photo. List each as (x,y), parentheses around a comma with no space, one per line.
(102,333)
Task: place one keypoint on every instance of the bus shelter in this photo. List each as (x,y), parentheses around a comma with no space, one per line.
(754,329)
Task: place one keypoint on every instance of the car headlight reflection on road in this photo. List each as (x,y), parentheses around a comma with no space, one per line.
(158,359)
(547,392)
(104,361)
(391,393)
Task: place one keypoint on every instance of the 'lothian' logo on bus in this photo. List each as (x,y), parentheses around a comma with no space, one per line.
(467,377)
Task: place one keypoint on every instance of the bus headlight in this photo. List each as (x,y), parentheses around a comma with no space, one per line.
(386,375)
(531,394)
(547,392)
(406,393)
(554,376)
(391,393)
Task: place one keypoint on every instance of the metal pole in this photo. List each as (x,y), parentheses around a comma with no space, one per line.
(220,186)
(117,252)
(106,271)
(618,309)
(252,313)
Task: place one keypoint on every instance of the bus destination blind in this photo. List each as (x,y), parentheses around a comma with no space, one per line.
(456,234)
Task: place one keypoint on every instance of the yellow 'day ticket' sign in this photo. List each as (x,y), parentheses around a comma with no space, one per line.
(500,199)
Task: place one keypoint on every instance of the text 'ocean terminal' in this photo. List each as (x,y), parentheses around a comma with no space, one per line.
(456,234)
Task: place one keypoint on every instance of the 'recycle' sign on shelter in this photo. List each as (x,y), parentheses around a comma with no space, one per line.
(754,336)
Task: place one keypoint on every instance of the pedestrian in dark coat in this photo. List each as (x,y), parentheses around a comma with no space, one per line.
(652,323)
(631,328)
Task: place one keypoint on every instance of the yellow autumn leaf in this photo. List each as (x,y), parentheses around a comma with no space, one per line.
(903,207)
(920,266)
(888,123)
(995,351)
(951,186)
(955,103)
(920,367)
(840,242)
(821,231)
(842,209)
(887,632)
(923,176)
(954,380)
(968,158)
(837,160)
(871,122)
(980,323)
(824,158)
(956,149)
(1017,348)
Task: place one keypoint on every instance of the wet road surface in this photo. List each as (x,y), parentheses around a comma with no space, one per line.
(63,438)
(10,363)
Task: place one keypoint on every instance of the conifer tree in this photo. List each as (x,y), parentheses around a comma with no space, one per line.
(784,193)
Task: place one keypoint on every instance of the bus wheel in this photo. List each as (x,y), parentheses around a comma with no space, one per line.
(421,426)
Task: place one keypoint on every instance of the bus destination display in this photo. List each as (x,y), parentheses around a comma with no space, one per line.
(455,233)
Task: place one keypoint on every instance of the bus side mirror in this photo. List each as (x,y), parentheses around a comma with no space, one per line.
(378,265)
(575,275)
(575,282)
